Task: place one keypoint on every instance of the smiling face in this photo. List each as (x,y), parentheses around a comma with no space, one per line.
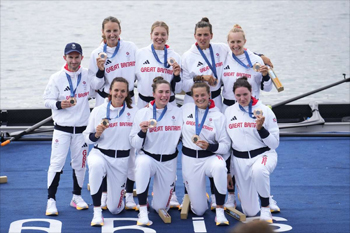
(203,37)
(73,60)
(243,96)
(118,92)
(111,33)
(236,42)
(159,36)
(201,97)
(162,95)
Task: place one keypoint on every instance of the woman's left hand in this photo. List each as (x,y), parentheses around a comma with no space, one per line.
(202,144)
(259,122)
(176,69)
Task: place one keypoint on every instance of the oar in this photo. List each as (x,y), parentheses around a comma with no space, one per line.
(311,92)
(30,129)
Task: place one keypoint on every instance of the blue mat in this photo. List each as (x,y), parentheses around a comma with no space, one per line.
(311,185)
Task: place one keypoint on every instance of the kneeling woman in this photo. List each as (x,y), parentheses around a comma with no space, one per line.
(108,125)
(155,135)
(254,140)
(204,142)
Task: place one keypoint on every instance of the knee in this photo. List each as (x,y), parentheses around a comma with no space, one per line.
(116,210)
(198,210)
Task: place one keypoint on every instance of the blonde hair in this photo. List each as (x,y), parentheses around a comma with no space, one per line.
(160,24)
(236,28)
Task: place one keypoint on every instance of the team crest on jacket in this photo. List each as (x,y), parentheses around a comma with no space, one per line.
(84,85)
(128,116)
(173,120)
(56,143)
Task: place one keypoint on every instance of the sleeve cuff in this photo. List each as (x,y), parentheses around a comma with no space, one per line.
(213,147)
(141,134)
(266,78)
(92,137)
(177,78)
(100,73)
(228,164)
(58,105)
(263,133)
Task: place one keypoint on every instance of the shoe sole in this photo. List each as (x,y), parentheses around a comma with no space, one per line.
(51,214)
(275,211)
(104,207)
(97,224)
(72,204)
(222,223)
(147,224)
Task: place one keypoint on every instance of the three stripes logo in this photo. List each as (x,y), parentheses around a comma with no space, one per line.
(67,89)
(190,116)
(227,67)
(199,64)
(108,62)
(85,145)
(146,62)
(234,118)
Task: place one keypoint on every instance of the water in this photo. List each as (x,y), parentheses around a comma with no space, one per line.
(308,41)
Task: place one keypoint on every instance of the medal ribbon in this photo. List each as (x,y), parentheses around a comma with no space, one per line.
(166,65)
(199,127)
(108,111)
(249,109)
(213,65)
(241,63)
(72,92)
(155,112)
(115,51)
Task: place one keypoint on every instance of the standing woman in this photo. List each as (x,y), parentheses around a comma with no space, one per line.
(254,139)
(155,126)
(108,125)
(204,144)
(239,62)
(204,61)
(120,60)
(153,61)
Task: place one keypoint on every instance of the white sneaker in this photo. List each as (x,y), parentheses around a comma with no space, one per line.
(78,202)
(104,201)
(220,218)
(143,217)
(174,203)
(273,206)
(129,202)
(51,209)
(213,202)
(231,201)
(97,220)
(265,214)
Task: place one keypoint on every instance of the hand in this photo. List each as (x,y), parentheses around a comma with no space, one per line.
(176,69)
(259,122)
(202,144)
(66,104)
(100,63)
(263,70)
(229,182)
(267,61)
(99,130)
(144,126)
(210,79)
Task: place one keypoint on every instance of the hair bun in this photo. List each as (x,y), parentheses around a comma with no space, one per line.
(237,26)
(156,79)
(205,19)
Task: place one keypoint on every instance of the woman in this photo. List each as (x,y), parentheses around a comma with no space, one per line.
(157,124)
(153,61)
(254,139)
(204,143)
(120,59)
(119,62)
(108,124)
(204,61)
(239,62)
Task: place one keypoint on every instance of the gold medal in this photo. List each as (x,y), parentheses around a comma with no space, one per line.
(171,61)
(102,55)
(152,123)
(256,67)
(257,112)
(195,139)
(104,122)
(72,100)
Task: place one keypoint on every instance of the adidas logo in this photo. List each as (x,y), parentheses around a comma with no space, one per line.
(108,62)
(123,186)
(227,67)
(199,64)
(190,116)
(67,89)
(85,145)
(146,62)
(234,118)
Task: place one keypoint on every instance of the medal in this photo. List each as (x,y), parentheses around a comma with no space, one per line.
(258,112)
(256,67)
(195,139)
(102,55)
(104,122)
(72,100)
(171,61)
(152,123)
